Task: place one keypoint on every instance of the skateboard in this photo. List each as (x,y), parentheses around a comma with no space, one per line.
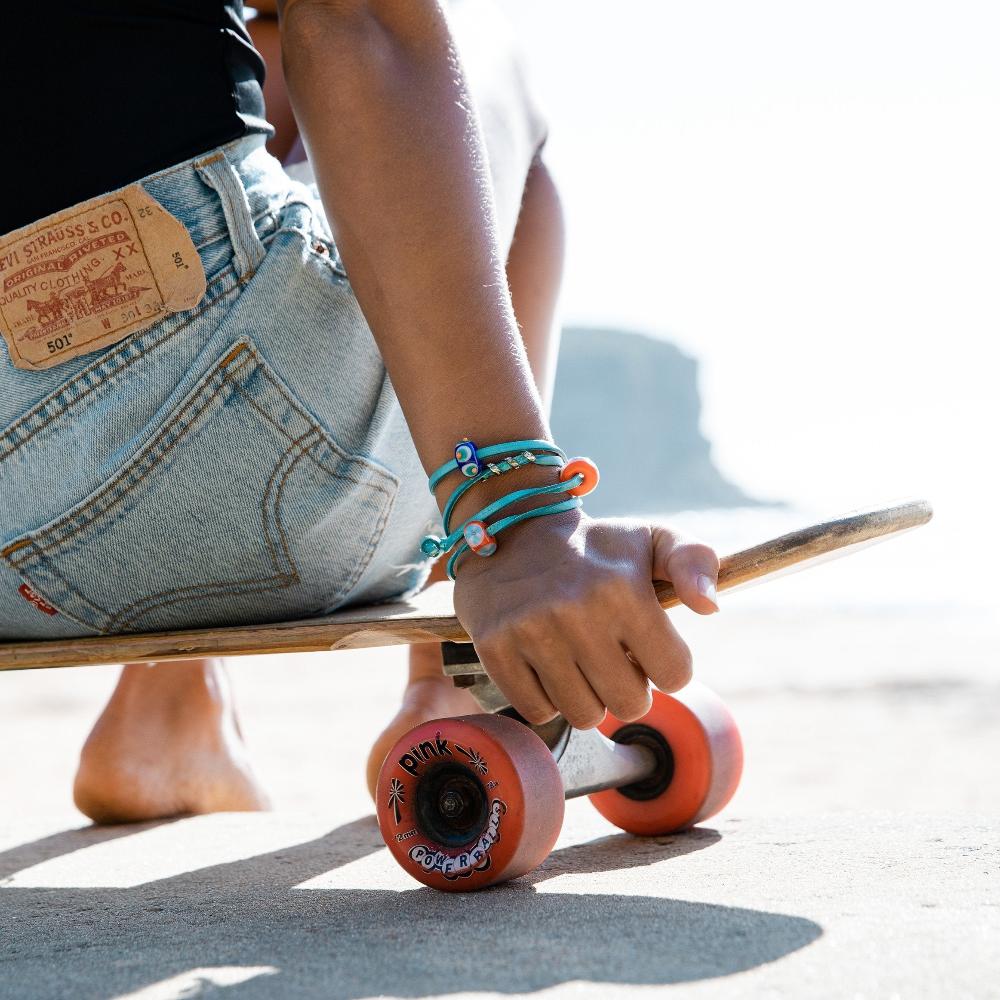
(463,803)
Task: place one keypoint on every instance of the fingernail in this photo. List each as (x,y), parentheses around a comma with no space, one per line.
(706,587)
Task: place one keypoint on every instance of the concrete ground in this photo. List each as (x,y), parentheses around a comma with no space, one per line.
(859,859)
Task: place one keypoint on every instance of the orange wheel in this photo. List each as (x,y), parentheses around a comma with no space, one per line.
(465,803)
(701,758)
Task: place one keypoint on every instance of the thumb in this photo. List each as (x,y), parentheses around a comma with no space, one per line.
(690,565)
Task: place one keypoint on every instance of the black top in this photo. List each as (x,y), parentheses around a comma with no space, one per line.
(98,93)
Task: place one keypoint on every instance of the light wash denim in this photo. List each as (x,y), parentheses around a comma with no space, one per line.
(243,462)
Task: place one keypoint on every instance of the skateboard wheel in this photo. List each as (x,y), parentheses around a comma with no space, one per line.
(701,759)
(465,803)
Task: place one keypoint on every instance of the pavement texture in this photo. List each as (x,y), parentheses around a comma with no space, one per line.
(860,858)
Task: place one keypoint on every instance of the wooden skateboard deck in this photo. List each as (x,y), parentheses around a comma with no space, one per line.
(430,617)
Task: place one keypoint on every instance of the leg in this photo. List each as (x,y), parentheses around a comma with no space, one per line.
(534,271)
(167,743)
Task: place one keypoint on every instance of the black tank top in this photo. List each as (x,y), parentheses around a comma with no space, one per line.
(98,93)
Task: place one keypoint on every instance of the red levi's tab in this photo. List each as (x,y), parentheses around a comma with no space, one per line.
(39,602)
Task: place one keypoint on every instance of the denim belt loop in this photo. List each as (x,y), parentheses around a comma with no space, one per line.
(220,175)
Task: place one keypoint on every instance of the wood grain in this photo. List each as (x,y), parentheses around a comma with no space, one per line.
(430,617)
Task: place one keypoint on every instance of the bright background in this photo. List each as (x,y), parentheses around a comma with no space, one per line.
(806,197)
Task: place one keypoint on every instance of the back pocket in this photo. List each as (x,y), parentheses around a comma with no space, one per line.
(239,508)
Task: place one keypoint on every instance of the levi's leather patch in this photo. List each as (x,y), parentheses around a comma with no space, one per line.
(89,276)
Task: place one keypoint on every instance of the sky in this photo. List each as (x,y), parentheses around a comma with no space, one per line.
(805,197)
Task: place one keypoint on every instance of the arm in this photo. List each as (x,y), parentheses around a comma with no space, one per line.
(393,137)
(399,162)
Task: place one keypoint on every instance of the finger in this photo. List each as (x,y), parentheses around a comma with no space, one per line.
(564,683)
(618,682)
(517,681)
(658,648)
(528,697)
(691,566)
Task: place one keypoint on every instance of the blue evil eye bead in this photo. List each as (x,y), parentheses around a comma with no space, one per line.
(430,546)
(467,458)
(479,539)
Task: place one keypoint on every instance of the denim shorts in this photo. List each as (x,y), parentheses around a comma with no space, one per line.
(244,462)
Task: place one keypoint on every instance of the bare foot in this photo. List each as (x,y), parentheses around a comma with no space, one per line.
(429,695)
(167,744)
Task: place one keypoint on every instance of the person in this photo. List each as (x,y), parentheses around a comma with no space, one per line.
(263,455)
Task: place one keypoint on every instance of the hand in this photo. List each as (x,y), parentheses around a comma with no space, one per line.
(556,611)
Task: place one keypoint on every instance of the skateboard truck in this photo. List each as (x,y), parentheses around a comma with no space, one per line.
(588,761)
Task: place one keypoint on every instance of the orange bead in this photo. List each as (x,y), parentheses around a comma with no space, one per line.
(584,467)
(479,539)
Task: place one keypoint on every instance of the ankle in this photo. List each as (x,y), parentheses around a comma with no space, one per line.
(200,685)
(167,743)
(426,663)
(420,690)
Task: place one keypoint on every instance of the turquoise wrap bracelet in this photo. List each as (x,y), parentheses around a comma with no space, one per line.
(511,447)
(492,470)
(508,522)
(576,478)
(432,546)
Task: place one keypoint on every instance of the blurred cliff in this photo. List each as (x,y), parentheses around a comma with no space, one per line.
(631,403)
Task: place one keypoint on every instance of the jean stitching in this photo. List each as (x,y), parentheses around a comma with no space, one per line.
(316,461)
(177,426)
(302,450)
(278,580)
(72,521)
(370,484)
(153,452)
(327,438)
(36,555)
(81,375)
(213,587)
(232,586)
(225,233)
(363,563)
(114,366)
(289,579)
(275,583)
(283,580)
(328,441)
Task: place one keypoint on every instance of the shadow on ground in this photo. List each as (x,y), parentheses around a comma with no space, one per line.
(359,943)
